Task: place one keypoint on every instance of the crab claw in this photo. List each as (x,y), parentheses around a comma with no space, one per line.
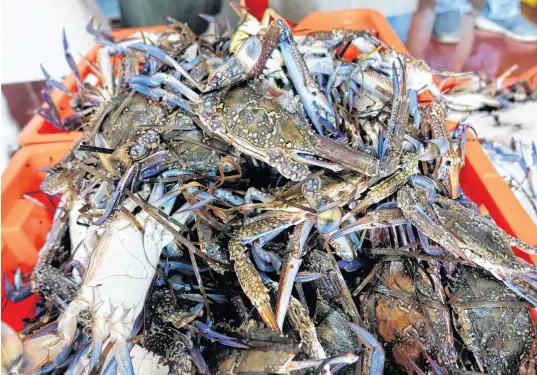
(376,362)
(51,113)
(166,96)
(53,83)
(70,60)
(16,294)
(376,219)
(252,284)
(290,267)
(99,34)
(125,182)
(223,339)
(314,101)
(160,55)
(160,78)
(418,216)
(247,61)
(38,351)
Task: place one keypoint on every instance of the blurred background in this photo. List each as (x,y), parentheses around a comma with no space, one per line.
(487,36)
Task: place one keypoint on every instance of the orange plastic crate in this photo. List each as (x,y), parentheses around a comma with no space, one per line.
(24,224)
(38,130)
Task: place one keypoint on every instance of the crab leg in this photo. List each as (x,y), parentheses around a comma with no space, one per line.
(384,218)
(393,143)
(71,61)
(290,267)
(389,186)
(452,161)
(311,96)
(53,83)
(418,216)
(375,363)
(246,273)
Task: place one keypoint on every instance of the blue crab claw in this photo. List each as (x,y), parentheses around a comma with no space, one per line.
(210,19)
(12,350)
(38,351)
(223,339)
(176,265)
(426,184)
(310,94)
(204,199)
(306,277)
(332,364)
(382,218)
(99,34)
(51,113)
(419,216)
(161,78)
(71,61)
(151,164)
(166,96)
(160,55)
(376,362)
(398,80)
(53,83)
(195,353)
(248,61)
(229,197)
(290,267)
(350,265)
(80,361)
(17,294)
(260,258)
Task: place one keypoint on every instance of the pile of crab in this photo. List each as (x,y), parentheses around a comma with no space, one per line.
(250,202)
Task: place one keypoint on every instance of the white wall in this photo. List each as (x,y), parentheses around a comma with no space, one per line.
(32,34)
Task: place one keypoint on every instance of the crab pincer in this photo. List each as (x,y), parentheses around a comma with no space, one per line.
(50,113)
(160,78)
(16,293)
(159,93)
(71,61)
(374,364)
(157,53)
(99,34)
(53,83)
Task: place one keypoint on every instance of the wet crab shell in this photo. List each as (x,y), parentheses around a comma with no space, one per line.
(408,327)
(499,337)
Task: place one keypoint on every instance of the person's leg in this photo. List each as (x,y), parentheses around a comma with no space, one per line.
(504,16)
(420,29)
(447,24)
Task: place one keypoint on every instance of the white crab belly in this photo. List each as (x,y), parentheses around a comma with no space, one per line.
(123,264)
(147,363)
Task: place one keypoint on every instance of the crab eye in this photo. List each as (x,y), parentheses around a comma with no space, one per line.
(329,220)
